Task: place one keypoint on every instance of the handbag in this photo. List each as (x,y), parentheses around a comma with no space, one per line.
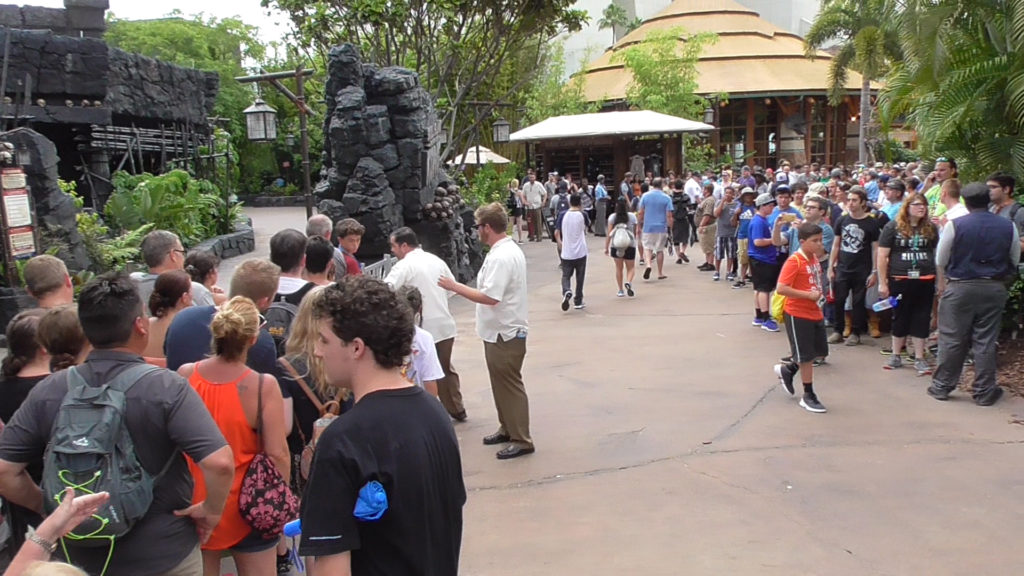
(265,501)
(328,412)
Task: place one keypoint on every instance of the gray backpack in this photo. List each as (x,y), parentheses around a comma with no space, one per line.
(91,451)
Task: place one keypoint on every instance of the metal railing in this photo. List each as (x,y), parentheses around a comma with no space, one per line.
(379,270)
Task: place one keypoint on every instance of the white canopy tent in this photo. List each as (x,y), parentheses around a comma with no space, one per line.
(630,123)
(479,155)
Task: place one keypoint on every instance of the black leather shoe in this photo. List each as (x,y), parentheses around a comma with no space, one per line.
(938,394)
(460,417)
(514,451)
(496,438)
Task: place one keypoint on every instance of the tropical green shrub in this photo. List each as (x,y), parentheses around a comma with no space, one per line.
(106,252)
(489,184)
(191,208)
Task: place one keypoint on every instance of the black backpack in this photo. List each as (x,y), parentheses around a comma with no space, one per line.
(563,204)
(680,206)
(282,313)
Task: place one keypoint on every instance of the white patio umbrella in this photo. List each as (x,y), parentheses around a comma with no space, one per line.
(479,155)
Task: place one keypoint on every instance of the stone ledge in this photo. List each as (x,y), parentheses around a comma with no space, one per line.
(273,201)
(241,241)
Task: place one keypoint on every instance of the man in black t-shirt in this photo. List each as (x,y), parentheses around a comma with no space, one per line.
(396,436)
(852,263)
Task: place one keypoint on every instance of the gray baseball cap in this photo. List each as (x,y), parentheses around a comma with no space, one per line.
(763,199)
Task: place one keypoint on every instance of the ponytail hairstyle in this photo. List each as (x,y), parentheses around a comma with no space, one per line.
(200,264)
(22,347)
(168,289)
(60,333)
(411,295)
(233,327)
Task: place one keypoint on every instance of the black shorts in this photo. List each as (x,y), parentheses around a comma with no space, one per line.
(254,542)
(913,315)
(681,231)
(765,276)
(807,339)
(624,253)
(515,213)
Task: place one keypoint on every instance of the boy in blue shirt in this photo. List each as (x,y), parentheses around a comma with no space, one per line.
(764,266)
(741,218)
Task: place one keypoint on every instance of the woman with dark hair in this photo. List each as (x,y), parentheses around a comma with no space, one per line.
(60,333)
(26,362)
(620,244)
(172,293)
(249,411)
(906,260)
(202,267)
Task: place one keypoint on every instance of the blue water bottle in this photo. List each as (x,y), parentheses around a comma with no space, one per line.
(886,303)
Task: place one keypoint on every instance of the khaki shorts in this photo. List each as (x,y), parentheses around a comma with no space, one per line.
(655,242)
(707,239)
(741,251)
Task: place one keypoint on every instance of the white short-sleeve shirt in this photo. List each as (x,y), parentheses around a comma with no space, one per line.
(423,365)
(422,269)
(503,278)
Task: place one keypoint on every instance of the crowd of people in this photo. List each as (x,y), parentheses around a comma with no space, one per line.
(157,407)
(202,416)
(832,255)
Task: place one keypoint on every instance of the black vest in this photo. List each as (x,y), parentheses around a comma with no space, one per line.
(981,247)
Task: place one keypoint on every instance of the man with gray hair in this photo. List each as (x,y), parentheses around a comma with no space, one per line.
(321,225)
(162,252)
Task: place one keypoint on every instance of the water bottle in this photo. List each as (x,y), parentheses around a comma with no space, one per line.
(886,303)
(293,528)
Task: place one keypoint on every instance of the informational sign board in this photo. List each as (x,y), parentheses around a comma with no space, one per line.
(17,208)
(19,222)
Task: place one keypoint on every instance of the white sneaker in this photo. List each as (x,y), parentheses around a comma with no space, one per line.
(621,294)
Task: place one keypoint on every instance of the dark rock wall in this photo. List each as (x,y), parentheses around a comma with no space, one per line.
(85,72)
(55,210)
(79,18)
(381,160)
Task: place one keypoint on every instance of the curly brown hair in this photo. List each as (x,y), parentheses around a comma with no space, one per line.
(366,308)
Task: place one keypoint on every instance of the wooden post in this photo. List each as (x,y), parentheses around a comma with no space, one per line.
(752,143)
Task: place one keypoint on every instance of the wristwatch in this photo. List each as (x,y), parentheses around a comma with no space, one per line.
(50,547)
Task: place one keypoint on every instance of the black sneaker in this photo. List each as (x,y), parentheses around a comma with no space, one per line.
(785,374)
(629,290)
(990,398)
(810,403)
(565,301)
(938,394)
(647,273)
(284,564)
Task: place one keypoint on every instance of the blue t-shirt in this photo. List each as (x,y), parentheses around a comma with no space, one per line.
(746,215)
(776,213)
(759,229)
(600,192)
(188,340)
(892,210)
(871,189)
(656,206)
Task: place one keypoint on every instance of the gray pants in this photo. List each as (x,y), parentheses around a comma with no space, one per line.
(579,267)
(970,311)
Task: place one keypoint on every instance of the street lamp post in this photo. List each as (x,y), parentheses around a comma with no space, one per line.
(256,119)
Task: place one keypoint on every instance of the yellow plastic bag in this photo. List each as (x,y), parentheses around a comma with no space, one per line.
(778,306)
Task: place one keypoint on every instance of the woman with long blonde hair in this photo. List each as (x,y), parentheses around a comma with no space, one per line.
(302,373)
(515,202)
(906,266)
(249,411)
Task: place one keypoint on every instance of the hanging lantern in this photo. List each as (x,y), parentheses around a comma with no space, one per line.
(260,122)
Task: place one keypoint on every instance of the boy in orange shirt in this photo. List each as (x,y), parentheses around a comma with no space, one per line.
(800,282)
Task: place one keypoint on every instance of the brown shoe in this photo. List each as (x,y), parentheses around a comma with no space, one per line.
(496,438)
(460,417)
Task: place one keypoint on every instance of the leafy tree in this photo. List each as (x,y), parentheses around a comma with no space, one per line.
(868,44)
(463,50)
(664,70)
(224,46)
(614,17)
(549,95)
(961,82)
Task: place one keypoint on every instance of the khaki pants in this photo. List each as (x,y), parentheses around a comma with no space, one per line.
(192,565)
(448,387)
(536,223)
(504,365)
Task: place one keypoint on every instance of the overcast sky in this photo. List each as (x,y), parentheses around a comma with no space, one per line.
(249,11)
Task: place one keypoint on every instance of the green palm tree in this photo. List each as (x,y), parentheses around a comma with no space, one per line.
(867,43)
(961,84)
(613,16)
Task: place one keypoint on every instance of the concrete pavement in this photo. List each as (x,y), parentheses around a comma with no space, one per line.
(665,445)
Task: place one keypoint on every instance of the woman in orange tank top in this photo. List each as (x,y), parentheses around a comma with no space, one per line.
(229,389)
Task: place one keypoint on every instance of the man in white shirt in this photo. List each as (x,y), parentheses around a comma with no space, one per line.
(501,323)
(571,236)
(421,269)
(535,195)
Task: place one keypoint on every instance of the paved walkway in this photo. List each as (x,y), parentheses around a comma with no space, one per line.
(666,446)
